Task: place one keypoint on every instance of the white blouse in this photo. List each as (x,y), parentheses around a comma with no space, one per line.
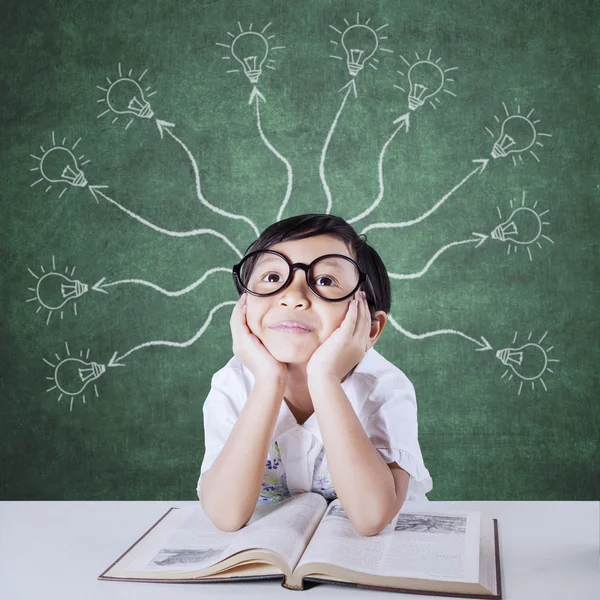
(382,397)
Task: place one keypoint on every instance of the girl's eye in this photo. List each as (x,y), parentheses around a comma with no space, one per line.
(272,277)
(325,278)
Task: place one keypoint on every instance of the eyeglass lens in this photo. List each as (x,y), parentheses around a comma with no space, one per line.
(330,277)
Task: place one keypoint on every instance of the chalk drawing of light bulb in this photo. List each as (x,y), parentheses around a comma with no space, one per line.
(73,375)
(250,49)
(523,228)
(59,165)
(425,79)
(54,290)
(125,96)
(359,42)
(518,134)
(528,362)
(66,288)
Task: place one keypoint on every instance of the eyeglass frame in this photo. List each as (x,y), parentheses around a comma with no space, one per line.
(363,278)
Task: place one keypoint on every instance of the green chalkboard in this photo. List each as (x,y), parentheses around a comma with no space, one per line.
(144,147)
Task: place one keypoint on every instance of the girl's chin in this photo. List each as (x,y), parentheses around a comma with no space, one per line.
(290,354)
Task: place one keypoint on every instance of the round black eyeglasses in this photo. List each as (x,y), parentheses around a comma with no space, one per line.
(341,270)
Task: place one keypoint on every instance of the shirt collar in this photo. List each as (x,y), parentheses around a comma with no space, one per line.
(287,421)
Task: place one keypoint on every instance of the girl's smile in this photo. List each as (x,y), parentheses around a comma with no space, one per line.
(291,327)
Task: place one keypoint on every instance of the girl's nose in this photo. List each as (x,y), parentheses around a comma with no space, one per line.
(297,291)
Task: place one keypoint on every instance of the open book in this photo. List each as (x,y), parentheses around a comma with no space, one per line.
(303,539)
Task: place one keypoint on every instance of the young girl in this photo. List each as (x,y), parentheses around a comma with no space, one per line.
(306,403)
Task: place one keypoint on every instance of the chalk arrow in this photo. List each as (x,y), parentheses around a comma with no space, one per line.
(478,236)
(162,125)
(95,191)
(484,162)
(285,161)
(404,119)
(114,361)
(481,165)
(256,94)
(482,237)
(483,345)
(99,286)
(351,86)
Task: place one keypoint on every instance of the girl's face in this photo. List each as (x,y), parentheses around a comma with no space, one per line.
(297,303)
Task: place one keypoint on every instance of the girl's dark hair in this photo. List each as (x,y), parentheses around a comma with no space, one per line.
(311,224)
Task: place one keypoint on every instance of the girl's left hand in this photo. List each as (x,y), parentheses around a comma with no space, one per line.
(346,346)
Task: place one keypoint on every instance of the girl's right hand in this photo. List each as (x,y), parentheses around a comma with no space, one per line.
(248,349)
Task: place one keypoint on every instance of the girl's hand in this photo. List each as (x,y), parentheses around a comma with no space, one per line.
(346,346)
(248,349)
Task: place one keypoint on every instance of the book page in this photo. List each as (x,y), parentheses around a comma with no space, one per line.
(192,542)
(417,543)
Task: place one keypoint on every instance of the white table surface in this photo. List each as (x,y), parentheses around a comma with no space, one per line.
(548,550)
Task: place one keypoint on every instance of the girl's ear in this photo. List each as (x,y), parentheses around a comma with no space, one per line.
(378,323)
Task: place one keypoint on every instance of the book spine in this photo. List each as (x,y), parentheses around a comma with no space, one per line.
(288,586)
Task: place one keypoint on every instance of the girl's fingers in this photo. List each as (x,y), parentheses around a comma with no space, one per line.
(244,309)
(351,317)
(363,325)
(367,321)
(347,324)
(238,316)
(359,314)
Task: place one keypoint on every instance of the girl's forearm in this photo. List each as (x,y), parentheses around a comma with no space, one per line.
(229,489)
(363,481)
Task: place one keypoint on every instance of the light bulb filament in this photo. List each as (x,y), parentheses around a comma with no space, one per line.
(250,62)
(418,91)
(355,56)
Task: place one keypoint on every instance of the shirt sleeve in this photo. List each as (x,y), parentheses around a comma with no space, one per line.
(220,411)
(393,429)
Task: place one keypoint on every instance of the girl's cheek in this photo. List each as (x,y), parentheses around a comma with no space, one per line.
(342,314)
